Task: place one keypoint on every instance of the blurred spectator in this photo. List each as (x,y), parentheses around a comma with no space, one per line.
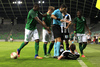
(11,38)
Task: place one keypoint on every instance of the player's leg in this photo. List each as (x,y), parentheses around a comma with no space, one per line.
(51,44)
(67,44)
(84,39)
(50,47)
(80,43)
(45,48)
(26,40)
(36,37)
(45,40)
(58,45)
(55,49)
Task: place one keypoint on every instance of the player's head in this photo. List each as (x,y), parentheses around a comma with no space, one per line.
(65,11)
(36,6)
(79,13)
(51,9)
(63,8)
(72,47)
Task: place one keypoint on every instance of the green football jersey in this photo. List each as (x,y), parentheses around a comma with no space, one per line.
(31,22)
(10,36)
(80,24)
(47,20)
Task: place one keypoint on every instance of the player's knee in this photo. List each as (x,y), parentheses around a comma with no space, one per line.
(37,41)
(45,42)
(26,42)
(85,42)
(52,42)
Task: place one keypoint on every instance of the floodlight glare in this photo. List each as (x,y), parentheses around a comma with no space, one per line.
(39,1)
(42,1)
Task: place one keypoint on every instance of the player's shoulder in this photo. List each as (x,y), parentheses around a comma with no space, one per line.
(68,14)
(57,10)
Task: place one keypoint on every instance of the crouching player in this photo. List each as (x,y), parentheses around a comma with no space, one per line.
(70,54)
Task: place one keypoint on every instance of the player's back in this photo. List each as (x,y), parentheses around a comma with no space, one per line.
(68,55)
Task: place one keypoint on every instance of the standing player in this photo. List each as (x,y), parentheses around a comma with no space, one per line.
(47,21)
(65,29)
(57,19)
(11,38)
(31,30)
(79,27)
(70,54)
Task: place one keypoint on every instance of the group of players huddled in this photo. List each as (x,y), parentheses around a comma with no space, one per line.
(57,33)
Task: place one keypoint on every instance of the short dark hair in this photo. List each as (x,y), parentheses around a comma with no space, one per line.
(35,4)
(63,6)
(79,11)
(72,47)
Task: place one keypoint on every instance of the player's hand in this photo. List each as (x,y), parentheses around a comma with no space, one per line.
(61,20)
(66,28)
(49,32)
(48,28)
(67,21)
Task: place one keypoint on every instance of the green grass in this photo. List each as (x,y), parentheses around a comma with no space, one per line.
(26,59)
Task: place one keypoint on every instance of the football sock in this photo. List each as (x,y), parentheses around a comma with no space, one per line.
(45,48)
(36,48)
(50,48)
(84,45)
(67,46)
(58,48)
(22,45)
(81,48)
(55,49)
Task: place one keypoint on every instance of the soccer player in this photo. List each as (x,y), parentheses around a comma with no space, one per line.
(31,30)
(79,27)
(65,29)
(47,21)
(70,54)
(11,38)
(57,19)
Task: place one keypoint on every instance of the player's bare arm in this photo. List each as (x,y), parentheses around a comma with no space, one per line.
(54,17)
(38,20)
(60,57)
(68,25)
(47,27)
(43,15)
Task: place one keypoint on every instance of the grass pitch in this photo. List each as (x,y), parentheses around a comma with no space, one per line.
(92,53)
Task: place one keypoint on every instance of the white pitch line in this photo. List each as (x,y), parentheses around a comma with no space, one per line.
(82,63)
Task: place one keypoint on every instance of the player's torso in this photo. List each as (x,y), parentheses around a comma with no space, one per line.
(64,24)
(48,20)
(31,22)
(80,25)
(58,15)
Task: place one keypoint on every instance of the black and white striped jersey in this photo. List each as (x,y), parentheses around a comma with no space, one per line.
(68,55)
(64,24)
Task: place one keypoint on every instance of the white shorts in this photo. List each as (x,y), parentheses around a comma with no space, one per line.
(31,34)
(47,37)
(11,39)
(81,38)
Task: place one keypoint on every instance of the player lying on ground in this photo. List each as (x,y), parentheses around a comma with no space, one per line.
(31,30)
(70,54)
(46,36)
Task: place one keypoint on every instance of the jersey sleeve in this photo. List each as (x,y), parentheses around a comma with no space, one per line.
(75,20)
(33,14)
(70,18)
